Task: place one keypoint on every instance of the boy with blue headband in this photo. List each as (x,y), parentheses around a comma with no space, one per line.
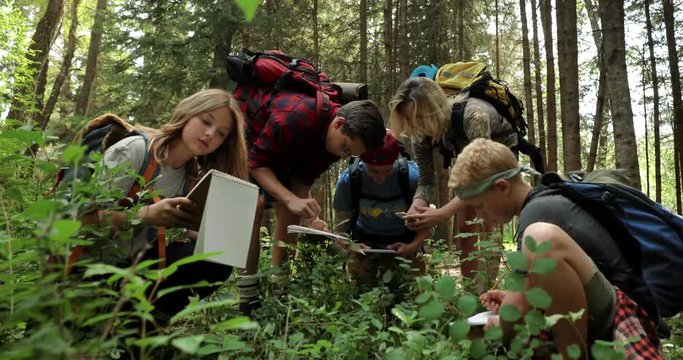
(487,176)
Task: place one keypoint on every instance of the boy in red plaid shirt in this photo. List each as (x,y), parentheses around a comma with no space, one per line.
(291,143)
(591,272)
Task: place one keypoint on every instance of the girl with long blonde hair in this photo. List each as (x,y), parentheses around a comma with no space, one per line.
(421,111)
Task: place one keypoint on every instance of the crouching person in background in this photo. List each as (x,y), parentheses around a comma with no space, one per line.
(369,199)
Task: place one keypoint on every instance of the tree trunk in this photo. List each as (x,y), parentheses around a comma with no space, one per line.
(528,100)
(547,21)
(93,54)
(461,30)
(539,86)
(63,70)
(567,61)
(655,104)
(31,90)
(679,186)
(614,49)
(395,46)
(223,33)
(404,48)
(388,49)
(599,116)
(363,41)
(497,44)
(316,36)
(647,140)
(676,92)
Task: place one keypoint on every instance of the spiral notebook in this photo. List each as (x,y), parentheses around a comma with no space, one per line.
(227,217)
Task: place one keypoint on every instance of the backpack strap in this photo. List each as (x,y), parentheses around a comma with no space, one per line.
(356,185)
(457,132)
(355,178)
(531,150)
(404,180)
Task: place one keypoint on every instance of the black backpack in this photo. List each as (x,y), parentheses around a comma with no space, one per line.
(496,93)
(356,187)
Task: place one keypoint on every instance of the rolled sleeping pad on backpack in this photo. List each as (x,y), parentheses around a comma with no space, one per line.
(428,71)
(351,91)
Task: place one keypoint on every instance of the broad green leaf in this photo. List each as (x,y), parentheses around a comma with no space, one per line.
(543,266)
(538,298)
(478,348)
(248,7)
(515,282)
(103,269)
(543,247)
(233,342)
(425,283)
(467,305)
(152,341)
(405,318)
(63,229)
(458,330)
(530,243)
(574,351)
(188,344)
(576,315)
(517,261)
(191,309)
(509,313)
(208,350)
(40,209)
(395,354)
(445,287)
(535,321)
(432,310)
(169,270)
(422,298)
(24,135)
(606,350)
(387,276)
(73,154)
(241,322)
(551,320)
(493,333)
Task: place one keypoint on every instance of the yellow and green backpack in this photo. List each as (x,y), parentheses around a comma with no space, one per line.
(471,79)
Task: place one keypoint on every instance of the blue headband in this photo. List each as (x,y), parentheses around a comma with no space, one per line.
(483,185)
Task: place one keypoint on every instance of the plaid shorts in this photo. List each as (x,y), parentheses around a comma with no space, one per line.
(630,321)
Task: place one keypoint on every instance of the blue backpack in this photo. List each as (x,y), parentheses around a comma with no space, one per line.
(649,235)
(357,185)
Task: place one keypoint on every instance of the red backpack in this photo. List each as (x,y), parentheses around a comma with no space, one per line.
(276,70)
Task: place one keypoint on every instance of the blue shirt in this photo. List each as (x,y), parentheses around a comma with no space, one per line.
(377,217)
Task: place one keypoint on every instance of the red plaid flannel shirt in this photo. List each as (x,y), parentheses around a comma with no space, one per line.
(288,136)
